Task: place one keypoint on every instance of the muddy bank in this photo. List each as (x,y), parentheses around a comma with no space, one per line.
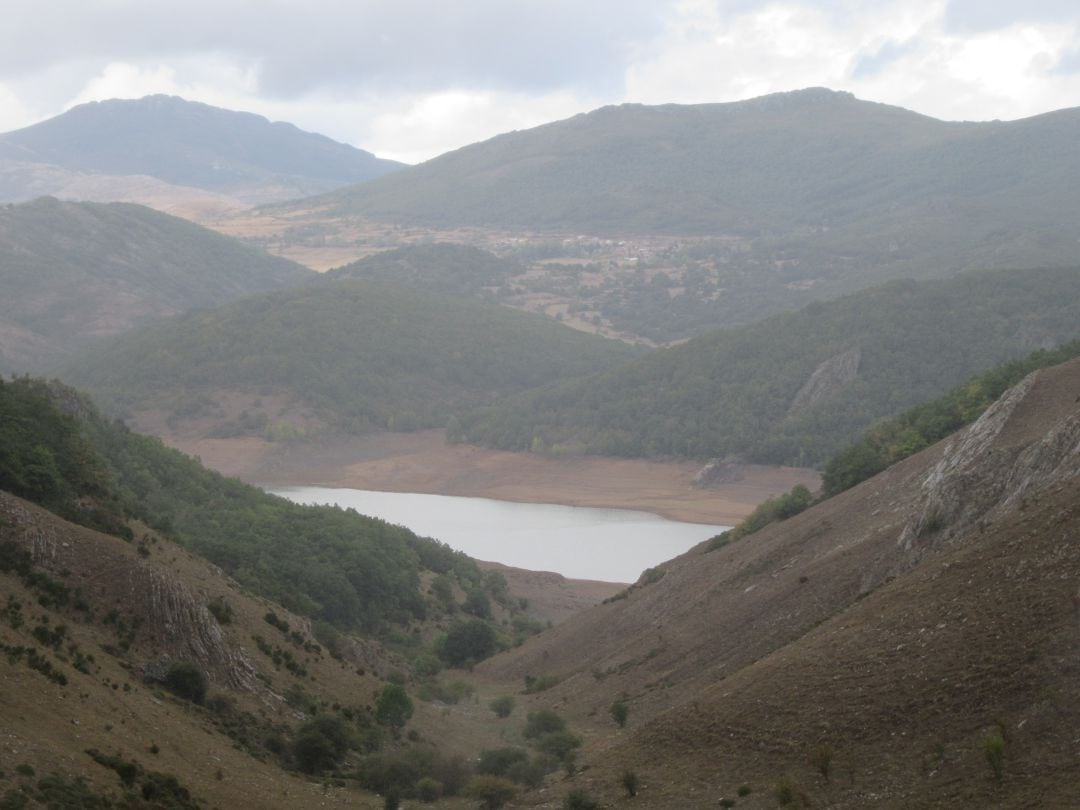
(423,462)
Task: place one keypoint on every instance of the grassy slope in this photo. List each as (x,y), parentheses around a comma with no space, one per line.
(76,271)
(732,391)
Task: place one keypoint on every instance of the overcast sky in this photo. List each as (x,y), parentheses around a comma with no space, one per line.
(409,79)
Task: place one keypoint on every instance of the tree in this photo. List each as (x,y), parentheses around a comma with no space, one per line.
(619,712)
(186,680)
(393,707)
(503,706)
(473,640)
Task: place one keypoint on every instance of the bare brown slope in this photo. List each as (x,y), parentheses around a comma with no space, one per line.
(129,614)
(896,624)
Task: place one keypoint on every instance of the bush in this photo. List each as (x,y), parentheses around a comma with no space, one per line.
(629,782)
(503,706)
(428,790)
(994,749)
(620,712)
(821,759)
(579,800)
(497,761)
(467,642)
(542,721)
(393,707)
(187,681)
(492,791)
(321,743)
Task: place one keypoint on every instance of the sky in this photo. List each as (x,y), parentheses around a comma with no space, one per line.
(411,79)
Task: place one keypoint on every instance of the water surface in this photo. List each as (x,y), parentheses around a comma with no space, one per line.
(582,542)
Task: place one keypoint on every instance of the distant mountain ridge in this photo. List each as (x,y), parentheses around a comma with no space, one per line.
(806,159)
(190,144)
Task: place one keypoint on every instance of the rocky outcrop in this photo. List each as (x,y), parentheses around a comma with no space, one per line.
(834,373)
(1001,459)
(173,621)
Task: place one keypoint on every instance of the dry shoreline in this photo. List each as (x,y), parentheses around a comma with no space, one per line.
(423,462)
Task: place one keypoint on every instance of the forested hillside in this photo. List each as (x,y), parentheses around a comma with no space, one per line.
(438,267)
(329,564)
(813,159)
(74,272)
(796,387)
(351,355)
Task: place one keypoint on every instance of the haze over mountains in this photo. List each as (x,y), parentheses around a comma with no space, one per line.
(908,640)
(91,150)
(74,272)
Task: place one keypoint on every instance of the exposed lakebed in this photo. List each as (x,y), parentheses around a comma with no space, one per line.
(581,542)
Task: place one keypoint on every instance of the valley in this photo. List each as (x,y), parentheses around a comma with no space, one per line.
(424,462)
(846,330)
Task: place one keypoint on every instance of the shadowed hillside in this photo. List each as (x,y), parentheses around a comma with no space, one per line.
(348,355)
(74,272)
(795,388)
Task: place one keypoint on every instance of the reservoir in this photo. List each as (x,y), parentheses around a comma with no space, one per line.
(615,545)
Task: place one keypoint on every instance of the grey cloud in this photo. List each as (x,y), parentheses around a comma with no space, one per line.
(533,46)
(985,15)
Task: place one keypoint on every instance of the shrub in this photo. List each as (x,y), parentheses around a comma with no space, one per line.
(745,790)
(467,642)
(428,790)
(321,742)
(579,800)
(503,706)
(497,761)
(542,721)
(994,749)
(187,681)
(393,707)
(785,792)
(629,782)
(492,791)
(541,683)
(821,759)
(620,712)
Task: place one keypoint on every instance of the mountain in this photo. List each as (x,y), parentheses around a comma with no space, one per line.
(796,387)
(810,159)
(910,642)
(345,355)
(184,144)
(75,272)
(662,222)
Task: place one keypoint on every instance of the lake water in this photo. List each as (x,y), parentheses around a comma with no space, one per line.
(606,544)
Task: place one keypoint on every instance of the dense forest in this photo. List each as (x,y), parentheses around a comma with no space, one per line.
(797,387)
(364,355)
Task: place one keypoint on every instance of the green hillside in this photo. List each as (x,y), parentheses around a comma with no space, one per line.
(330,564)
(813,159)
(796,387)
(74,272)
(438,267)
(360,355)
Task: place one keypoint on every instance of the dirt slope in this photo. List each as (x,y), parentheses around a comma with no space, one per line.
(896,626)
